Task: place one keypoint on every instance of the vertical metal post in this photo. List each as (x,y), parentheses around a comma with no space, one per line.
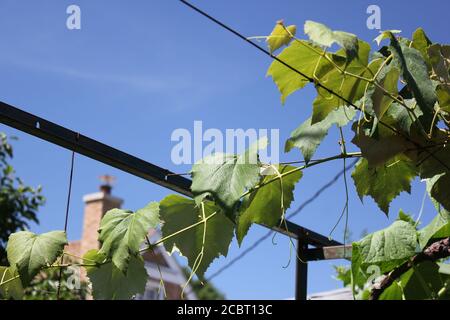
(301,285)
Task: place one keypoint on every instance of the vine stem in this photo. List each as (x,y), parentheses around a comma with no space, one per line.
(308,165)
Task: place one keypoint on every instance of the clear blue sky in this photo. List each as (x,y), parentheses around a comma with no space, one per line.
(140,69)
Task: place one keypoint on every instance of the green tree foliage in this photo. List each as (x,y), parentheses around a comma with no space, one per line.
(18,202)
(45,286)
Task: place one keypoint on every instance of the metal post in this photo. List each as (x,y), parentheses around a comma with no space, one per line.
(301,285)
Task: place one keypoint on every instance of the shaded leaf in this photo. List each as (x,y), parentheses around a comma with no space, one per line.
(179,213)
(383,183)
(443,94)
(110,283)
(264,205)
(29,252)
(440,61)
(441,190)
(393,292)
(380,145)
(376,100)
(11,289)
(415,72)
(434,162)
(423,282)
(402,117)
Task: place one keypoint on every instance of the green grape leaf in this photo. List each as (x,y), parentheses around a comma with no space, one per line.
(393,292)
(29,252)
(403,216)
(179,213)
(343,273)
(415,72)
(402,117)
(264,204)
(386,248)
(349,87)
(280,37)
(226,177)
(109,282)
(421,42)
(434,162)
(10,288)
(324,36)
(383,183)
(439,227)
(423,281)
(441,191)
(440,60)
(122,233)
(386,35)
(376,101)
(380,145)
(307,137)
(302,56)
(443,94)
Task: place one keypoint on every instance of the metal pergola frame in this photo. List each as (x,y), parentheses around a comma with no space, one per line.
(323,247)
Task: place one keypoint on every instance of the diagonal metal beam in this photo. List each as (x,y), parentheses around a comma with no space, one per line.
(68,139)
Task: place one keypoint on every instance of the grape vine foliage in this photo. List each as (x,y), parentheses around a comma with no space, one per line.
(396,103)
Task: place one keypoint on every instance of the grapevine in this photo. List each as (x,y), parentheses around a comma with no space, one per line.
(396,102)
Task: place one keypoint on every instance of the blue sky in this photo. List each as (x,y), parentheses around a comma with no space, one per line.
(138,70)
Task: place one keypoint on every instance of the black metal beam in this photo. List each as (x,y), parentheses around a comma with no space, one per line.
(54,133)
(93,149)
(301,281)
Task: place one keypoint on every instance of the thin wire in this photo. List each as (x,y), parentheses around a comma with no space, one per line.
(312,80)
(66,220)
(291,215)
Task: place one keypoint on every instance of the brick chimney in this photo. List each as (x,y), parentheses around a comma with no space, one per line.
(96,205)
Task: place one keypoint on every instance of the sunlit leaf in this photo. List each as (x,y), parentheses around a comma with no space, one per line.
(226,177)
(29,252)
(386,248)
(324,36)
(386,35)
(280,37)
(122,232)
